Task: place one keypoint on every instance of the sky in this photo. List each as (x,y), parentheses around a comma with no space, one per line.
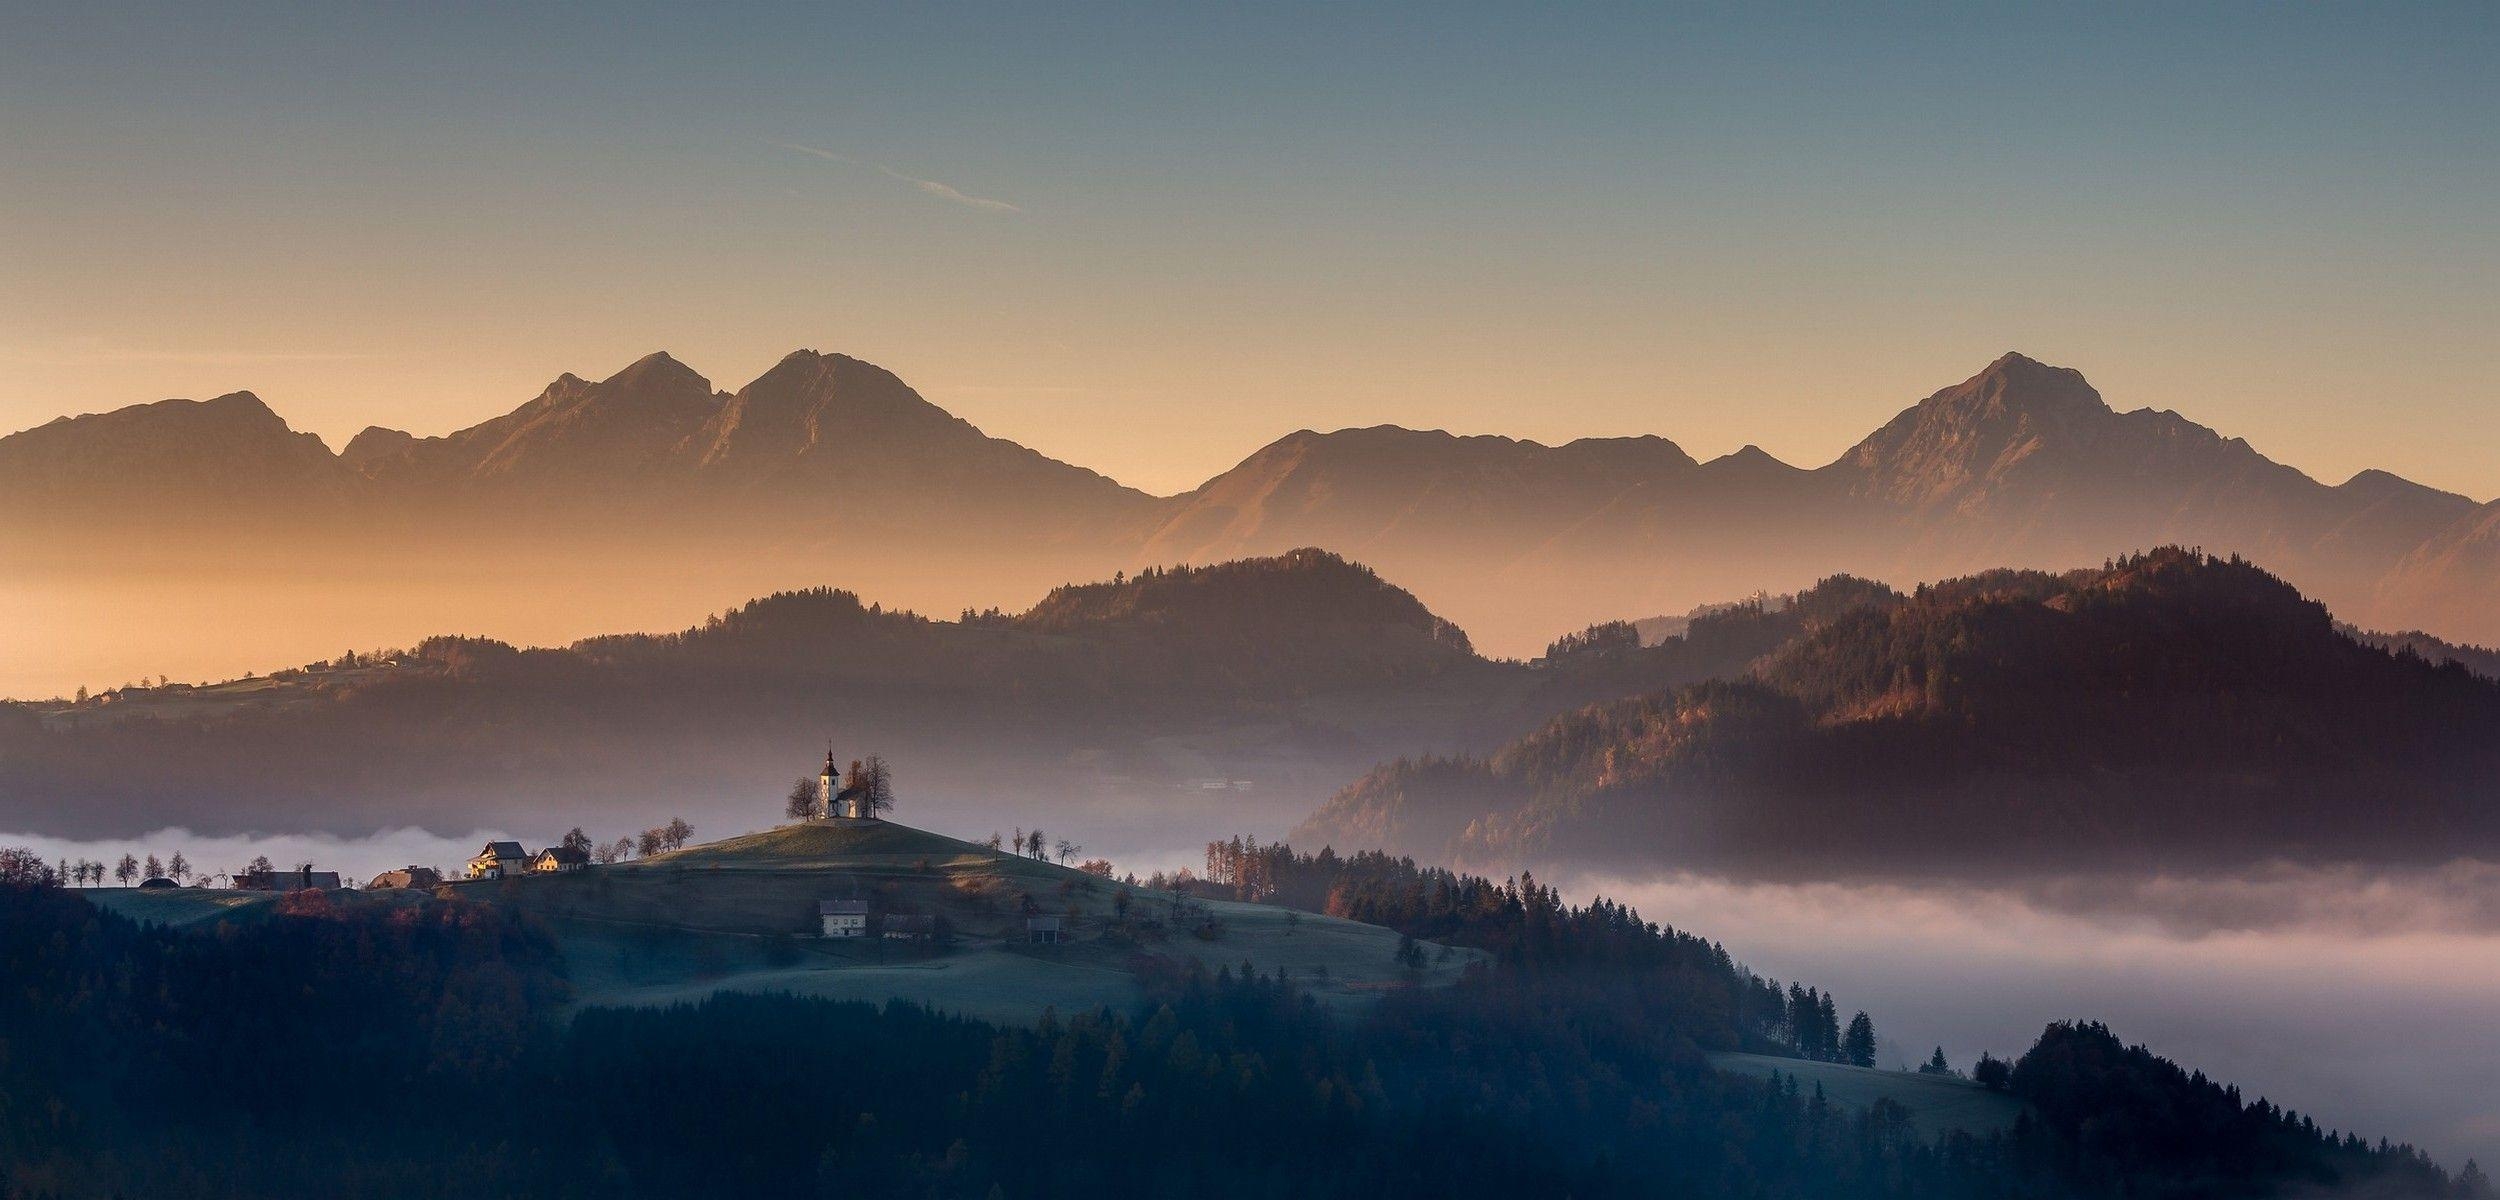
(1149,239)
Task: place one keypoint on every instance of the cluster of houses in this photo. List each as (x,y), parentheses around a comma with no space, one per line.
(854,919)
(500,859)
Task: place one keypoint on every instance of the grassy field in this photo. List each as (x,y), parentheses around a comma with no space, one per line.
(740,915)
(176,908)
(1936,1102)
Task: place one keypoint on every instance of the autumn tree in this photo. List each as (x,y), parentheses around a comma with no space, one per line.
(676,833)
(874,782)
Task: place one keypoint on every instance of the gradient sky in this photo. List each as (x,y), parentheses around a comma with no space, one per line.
(1149,240)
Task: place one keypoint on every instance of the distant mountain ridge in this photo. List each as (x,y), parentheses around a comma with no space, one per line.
(2022,464)
(832,460)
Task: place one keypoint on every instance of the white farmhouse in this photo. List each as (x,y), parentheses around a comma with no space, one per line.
(843,918)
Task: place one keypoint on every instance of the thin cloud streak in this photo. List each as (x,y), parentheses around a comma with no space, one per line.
(932,187)
(85,352)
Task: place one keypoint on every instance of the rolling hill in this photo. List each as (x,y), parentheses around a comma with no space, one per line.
(739,915)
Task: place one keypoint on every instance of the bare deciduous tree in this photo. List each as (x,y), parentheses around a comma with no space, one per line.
(803,797)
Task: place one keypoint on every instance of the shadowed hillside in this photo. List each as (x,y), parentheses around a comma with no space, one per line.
(2171,708)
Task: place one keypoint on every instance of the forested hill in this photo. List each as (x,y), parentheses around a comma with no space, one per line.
(2168,708)
(1295,673)
(1287,596)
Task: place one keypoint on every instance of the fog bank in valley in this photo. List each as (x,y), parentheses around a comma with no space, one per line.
(2365,999)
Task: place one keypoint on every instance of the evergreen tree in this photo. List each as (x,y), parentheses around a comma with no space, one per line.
(1857,1047)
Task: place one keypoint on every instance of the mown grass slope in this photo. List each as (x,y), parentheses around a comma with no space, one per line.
(740,915)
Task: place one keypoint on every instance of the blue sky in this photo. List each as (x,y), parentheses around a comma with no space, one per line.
(1150,239)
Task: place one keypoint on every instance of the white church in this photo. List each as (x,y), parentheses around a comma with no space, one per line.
(837,802)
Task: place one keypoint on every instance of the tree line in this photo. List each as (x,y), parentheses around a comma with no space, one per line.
(1571,1063)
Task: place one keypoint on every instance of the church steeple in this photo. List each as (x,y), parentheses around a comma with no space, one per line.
(829,786)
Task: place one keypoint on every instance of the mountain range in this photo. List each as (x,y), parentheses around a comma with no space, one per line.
(832,466)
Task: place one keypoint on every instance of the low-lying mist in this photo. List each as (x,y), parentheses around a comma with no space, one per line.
(2366,999)
(354,858)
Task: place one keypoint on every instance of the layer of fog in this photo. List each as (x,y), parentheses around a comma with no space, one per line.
(354,858)
(2366,1000)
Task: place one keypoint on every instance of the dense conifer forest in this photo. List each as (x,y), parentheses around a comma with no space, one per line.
(420,1047)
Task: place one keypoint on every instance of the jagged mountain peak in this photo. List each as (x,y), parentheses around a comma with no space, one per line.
(656,370)
(1996,427)
(2021,387)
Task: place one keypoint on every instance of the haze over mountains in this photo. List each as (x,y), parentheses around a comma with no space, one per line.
(1135,704)
(2173,710)
(642,498)
(2169,711)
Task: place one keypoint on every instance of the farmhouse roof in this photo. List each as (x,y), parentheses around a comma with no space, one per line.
(504,850)
(840,908)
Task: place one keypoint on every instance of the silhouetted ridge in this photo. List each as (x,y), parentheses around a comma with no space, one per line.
(2171,707)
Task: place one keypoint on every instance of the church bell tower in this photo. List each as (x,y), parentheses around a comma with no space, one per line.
(828,787)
